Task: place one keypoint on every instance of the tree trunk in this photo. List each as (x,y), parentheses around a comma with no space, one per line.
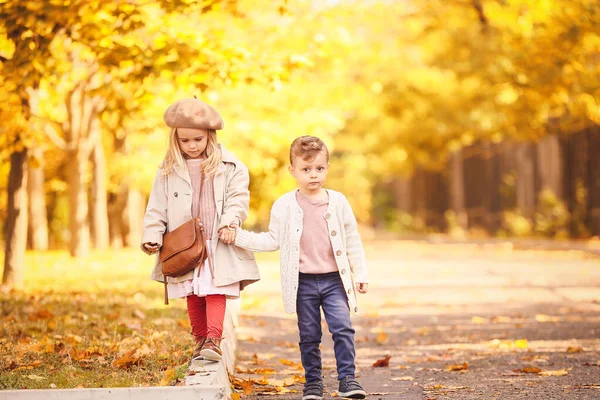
(79,245)
(99,195)
(457,189)
(401,187)
(549,163)
(133,216)
(116,204)
(526,192)
(594,180)
(38,219)
(16,223)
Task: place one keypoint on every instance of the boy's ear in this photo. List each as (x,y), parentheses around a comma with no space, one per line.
(291,169)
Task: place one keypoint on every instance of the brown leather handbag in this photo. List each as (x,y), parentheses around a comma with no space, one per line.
(183,249)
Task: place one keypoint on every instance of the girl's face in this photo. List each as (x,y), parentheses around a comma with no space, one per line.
(192,142)
(311,174)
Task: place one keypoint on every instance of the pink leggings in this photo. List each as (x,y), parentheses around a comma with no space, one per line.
(206,315)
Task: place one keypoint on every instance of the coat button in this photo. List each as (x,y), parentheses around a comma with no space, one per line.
(343,271)
(176,194)
(355,309)
(338,253)
(333,233)
(327,216)
(349,291)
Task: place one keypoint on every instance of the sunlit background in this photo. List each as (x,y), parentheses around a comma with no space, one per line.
(473,121)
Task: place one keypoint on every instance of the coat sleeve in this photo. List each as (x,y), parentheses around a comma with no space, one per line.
(264,241)
(354,247)
(155,219)
(237,197)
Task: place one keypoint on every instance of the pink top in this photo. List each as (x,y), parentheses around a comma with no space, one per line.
(203,204)
(316,254)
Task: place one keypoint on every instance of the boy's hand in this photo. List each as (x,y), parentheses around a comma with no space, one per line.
(227,235)
(150,248)
(362,287)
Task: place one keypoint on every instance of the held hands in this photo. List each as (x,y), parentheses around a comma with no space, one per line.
(362,287)
(150,248)
(227,234)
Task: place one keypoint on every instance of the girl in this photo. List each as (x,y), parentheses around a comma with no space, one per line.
(221,202)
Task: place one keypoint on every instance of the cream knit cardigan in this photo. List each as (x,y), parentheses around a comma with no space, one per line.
(285,230)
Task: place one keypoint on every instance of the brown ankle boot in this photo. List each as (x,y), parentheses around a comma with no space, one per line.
(199,343)
(211,350)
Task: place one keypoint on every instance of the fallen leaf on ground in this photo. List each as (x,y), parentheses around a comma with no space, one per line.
(457,367)
(290,363)
(572,349)
(36,377)
(403,378)
(235,396)
(382,338)
(385,362)
(528,370)
(559,372)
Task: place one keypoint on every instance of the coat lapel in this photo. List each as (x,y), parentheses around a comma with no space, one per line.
(183,173)
(219,188)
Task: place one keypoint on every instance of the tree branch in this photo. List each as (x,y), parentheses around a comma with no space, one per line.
(52,132)
(481,14)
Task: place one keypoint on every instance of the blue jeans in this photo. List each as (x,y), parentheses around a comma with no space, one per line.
(327,291)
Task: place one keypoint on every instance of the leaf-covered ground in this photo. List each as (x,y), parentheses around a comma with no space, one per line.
(98,322)
(444,322)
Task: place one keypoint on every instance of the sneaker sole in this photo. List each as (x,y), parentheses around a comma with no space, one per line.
(211,355)
(353,394)
(198,358)
(312,397)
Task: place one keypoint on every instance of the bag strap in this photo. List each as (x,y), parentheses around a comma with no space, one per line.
(202,237)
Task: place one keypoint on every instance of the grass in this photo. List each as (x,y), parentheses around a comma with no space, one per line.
(95,322)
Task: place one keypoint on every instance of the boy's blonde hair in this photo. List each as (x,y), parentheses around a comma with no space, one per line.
(307,148)
(175,155)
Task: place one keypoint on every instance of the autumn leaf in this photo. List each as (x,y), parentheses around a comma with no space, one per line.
(41,314)
(384,362)
(560,372)
(529,370)
(572,349)
(382,338)
(457,367)
(403,378)
(246,385)
(235,396)
(290,363)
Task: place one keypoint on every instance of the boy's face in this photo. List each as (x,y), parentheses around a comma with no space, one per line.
(192,141)
(310,174)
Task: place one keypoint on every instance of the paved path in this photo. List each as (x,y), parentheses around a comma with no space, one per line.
(511,316)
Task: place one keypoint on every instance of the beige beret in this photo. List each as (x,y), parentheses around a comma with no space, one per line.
(192,113)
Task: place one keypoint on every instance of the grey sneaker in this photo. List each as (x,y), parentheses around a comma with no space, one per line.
(351,389)
(313,391)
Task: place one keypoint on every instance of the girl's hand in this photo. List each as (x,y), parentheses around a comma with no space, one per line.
(227,235)
(150,248)
(362,287)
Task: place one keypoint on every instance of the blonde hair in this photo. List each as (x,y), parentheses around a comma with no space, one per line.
(307,148)
(174,155)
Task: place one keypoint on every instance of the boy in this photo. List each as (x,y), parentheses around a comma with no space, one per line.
(321,258)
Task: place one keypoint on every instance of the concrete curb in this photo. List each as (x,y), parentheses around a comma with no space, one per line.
(210,381)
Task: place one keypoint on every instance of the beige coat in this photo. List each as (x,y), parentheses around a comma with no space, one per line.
(170,205)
